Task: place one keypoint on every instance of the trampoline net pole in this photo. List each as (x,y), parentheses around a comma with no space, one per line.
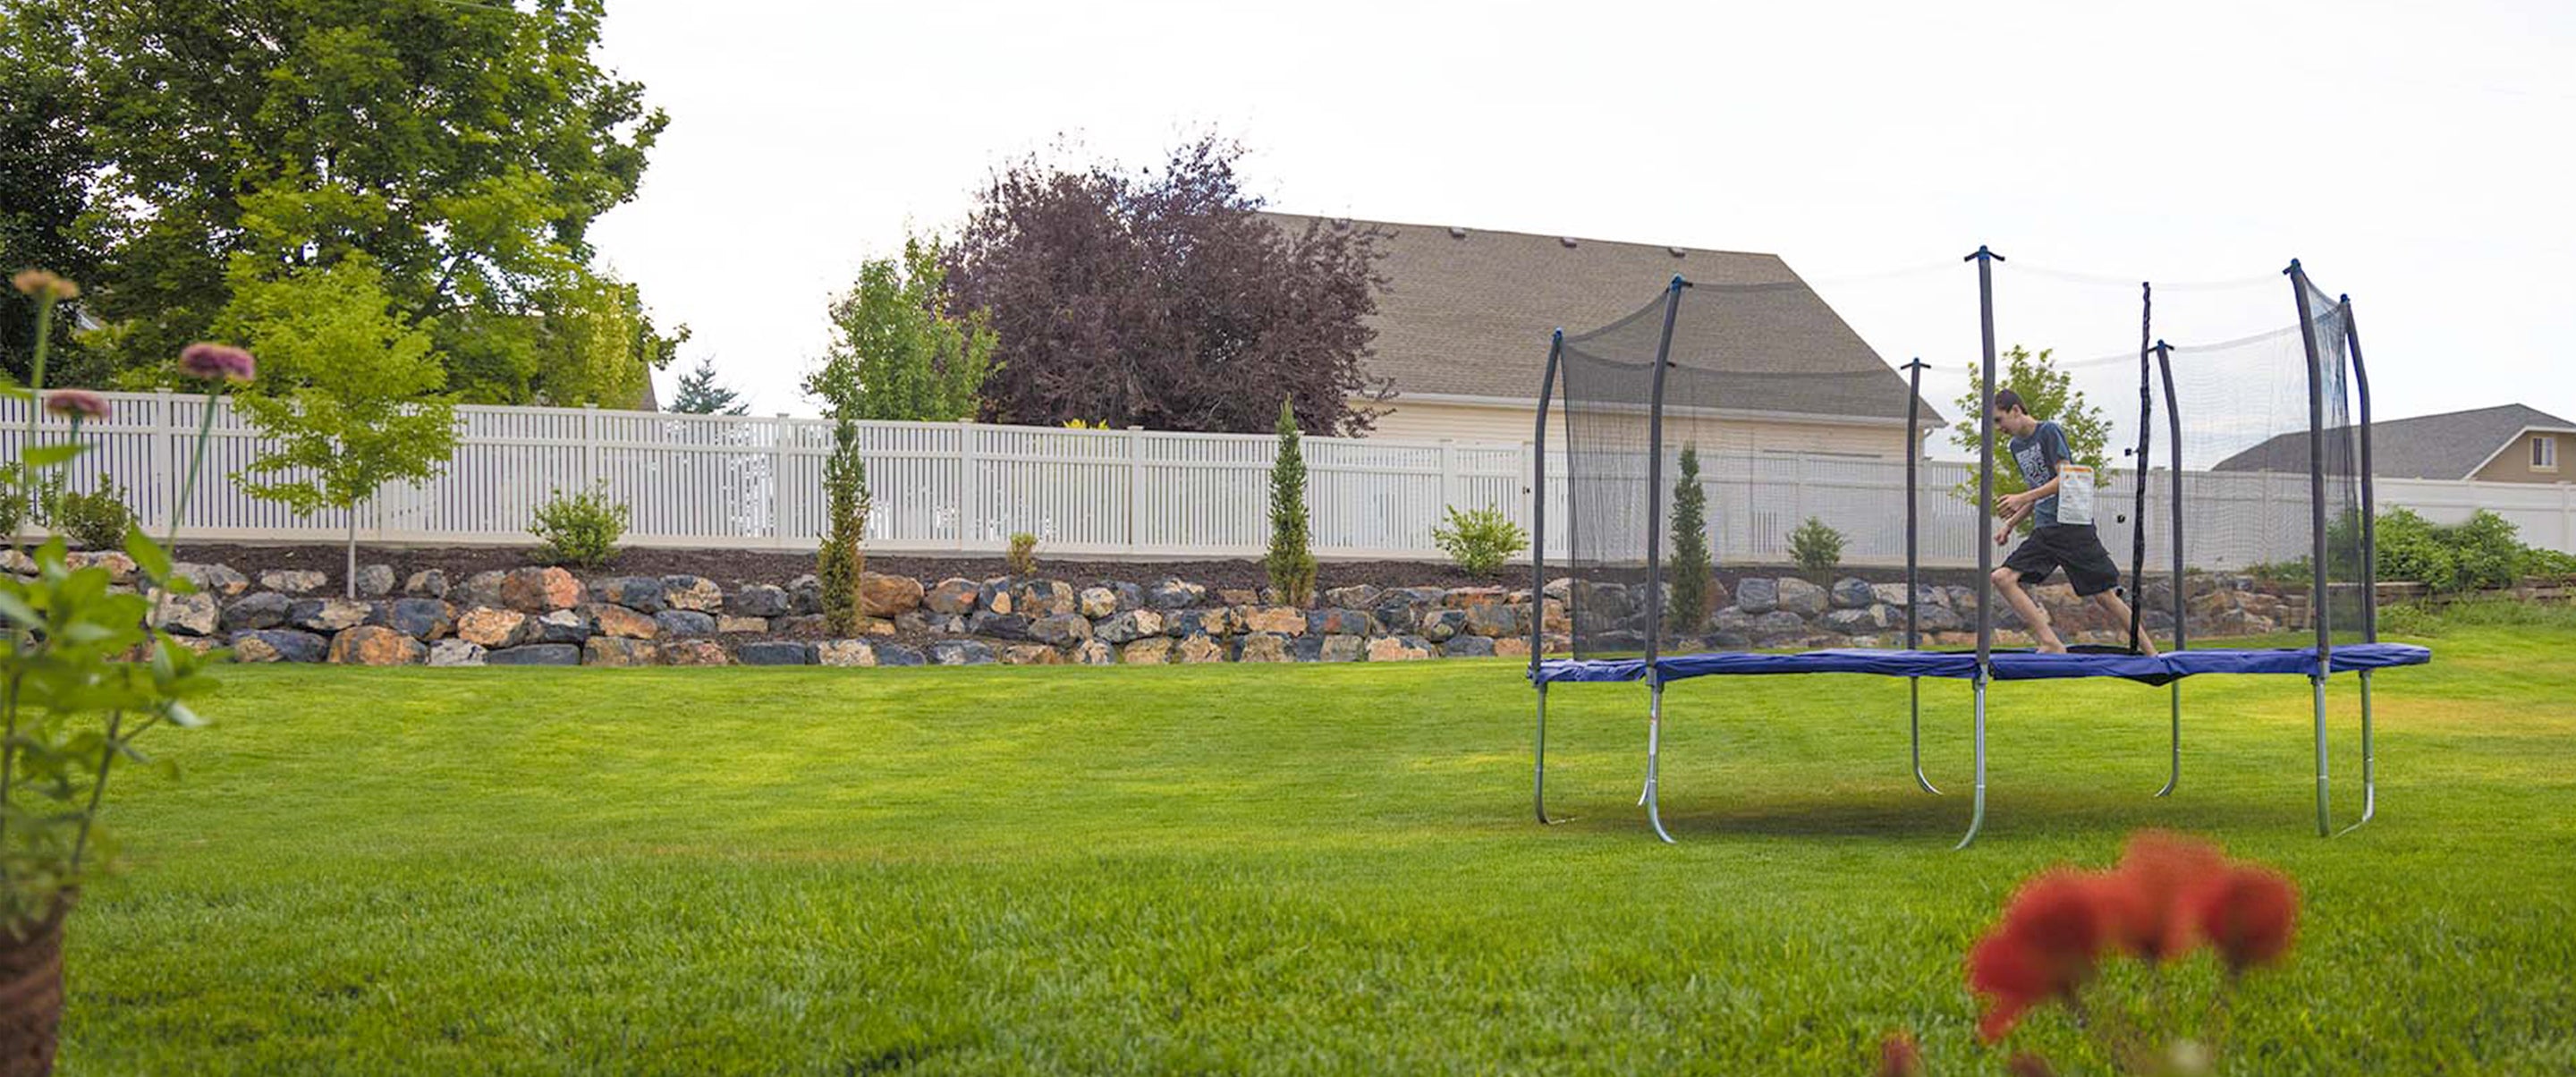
(1985,260)
(2146,429)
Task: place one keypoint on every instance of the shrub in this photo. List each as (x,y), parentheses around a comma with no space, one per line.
(2542,562)
(1479,540)
(840,561)
(2411,548)
(581,529)
(1691,568)
(13,500)
(1023,557)
(1291,560)
(98,520)
(1816,547)
(2486,551)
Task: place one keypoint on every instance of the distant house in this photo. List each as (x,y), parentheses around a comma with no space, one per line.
(2507,443)
(1463,325)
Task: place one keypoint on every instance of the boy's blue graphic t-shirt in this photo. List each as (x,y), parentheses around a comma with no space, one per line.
(2039,454)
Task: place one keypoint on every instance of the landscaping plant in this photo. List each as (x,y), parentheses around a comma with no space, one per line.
(1291,560)
(86,672)
(1692,597)
(1479,540)
(845,494)
(1816,547)
(1023,556)
(581,529)
(97,520)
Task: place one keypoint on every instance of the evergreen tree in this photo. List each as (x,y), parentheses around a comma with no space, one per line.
(700,395)
(838,564)
(1688,607)
(1291,560)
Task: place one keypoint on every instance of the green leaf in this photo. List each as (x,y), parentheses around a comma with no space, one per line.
(55,455)
(147,554)
(17,609)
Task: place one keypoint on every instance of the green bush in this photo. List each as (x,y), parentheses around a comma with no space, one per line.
(1023,557)
(13,500)
(1816,547)
(842,558)
(2487,552)
(1479,540)
(1291,560)
(581,529)
(97,520)
(1692,571)
(2553,563)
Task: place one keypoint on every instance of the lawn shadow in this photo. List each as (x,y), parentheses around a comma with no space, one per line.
(1912,814)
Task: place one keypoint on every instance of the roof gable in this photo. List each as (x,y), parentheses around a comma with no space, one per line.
(2450,445)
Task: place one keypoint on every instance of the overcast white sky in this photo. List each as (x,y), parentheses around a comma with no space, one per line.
(2420,157)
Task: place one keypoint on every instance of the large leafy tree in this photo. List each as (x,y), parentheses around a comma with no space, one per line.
(1165,299)
(44,154)
(465,148)
(2047,392)
(898,351)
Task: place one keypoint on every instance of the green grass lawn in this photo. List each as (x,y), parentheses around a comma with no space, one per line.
(1274,869)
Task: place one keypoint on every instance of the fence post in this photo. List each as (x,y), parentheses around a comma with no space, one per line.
(589,447)
(777,479)
(969,498)
(1530,494)
(1135,487)
(1448,477)
(164,475)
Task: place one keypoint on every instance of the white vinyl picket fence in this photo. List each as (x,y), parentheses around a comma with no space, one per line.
(756,483)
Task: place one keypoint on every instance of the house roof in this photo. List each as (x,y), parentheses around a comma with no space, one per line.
(2451,445)
(1467,312)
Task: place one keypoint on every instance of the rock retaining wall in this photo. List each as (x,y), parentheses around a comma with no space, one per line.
(548,616)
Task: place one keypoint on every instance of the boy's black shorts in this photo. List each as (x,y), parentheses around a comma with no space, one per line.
(2073,547)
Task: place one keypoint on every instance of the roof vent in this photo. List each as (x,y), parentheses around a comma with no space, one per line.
(1456,232)
(1566,240)
(1678,252)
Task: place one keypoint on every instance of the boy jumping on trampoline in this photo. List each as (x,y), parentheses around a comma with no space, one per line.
(2040,449)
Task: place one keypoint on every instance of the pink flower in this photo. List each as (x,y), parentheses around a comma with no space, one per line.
(218,362)
(2248,916)
(76,404)
(43,285)
(2051,937)
(2146,892)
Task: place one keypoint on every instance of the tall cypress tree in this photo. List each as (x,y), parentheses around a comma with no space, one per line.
(1689,607)
(1291,561)
(841,560)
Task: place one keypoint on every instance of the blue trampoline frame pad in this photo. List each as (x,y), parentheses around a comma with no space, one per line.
(2006,665)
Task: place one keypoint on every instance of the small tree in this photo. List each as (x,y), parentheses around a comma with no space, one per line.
(700,395)
(2048,393)
(899,352)
(845,492)
(1816,547)
(1692,570)
(1291,560)
(347,389)
(1479,540)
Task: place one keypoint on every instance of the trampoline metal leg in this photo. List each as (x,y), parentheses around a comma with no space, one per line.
(2175,778)
(2325,827)
(1914,730)
(1654,747)
(1538,760)
(2369,762)
(1977,819)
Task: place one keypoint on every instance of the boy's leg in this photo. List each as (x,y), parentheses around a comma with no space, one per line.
(2008,581)
(2110,601)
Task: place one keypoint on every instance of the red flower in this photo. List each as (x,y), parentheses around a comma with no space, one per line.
(2145,893)
(76,404)
(2248,915)
(217,362)
(1899,1057)
(2047,945)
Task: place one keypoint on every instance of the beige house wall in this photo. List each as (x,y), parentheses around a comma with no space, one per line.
(1435,420)
(2514,463)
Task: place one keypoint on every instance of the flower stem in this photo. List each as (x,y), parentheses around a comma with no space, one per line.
(97,789)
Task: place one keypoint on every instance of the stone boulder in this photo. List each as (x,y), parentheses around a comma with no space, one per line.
(1889,594)
(1439,626)
(844,652)
(758,600)
(534,654)
(729,625)
(623,622)
(1060,630)
(1031,654)
(805,595)
(996,595)
(1495,620)
(1398,649)
(1096,602)
(697,594)
(539,590)
(683,624)
(1278,620)
(896,654)
(292,581)
(1464,597)
(259,609)
(1198,649)
(692,652)
(1150,651)
(1092,652)
(561,626)
(1211,621)
(1265,647)
(479,589)
(219,580)
(1511,647)
(1343,649)
(455,652)
(492,628)
(612,651)
(1238,596)
(773,653)
(120,568)
(1757,595)
(1340,622)
(1852,622)
(1044,598)
(191,615)
(278,645)
(1129,626)
(1355,597)
(962,652)
(419,618)
(430,583)
(1851,593)
(326,614)
(1175,594)
(643,594)
(951,595)
(1001,625)
(881,595)
(1468,647)
(1802,598)
(375,581)
(1776,627)
(375,645)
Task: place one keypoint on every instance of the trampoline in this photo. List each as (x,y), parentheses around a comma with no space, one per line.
(2262,495)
